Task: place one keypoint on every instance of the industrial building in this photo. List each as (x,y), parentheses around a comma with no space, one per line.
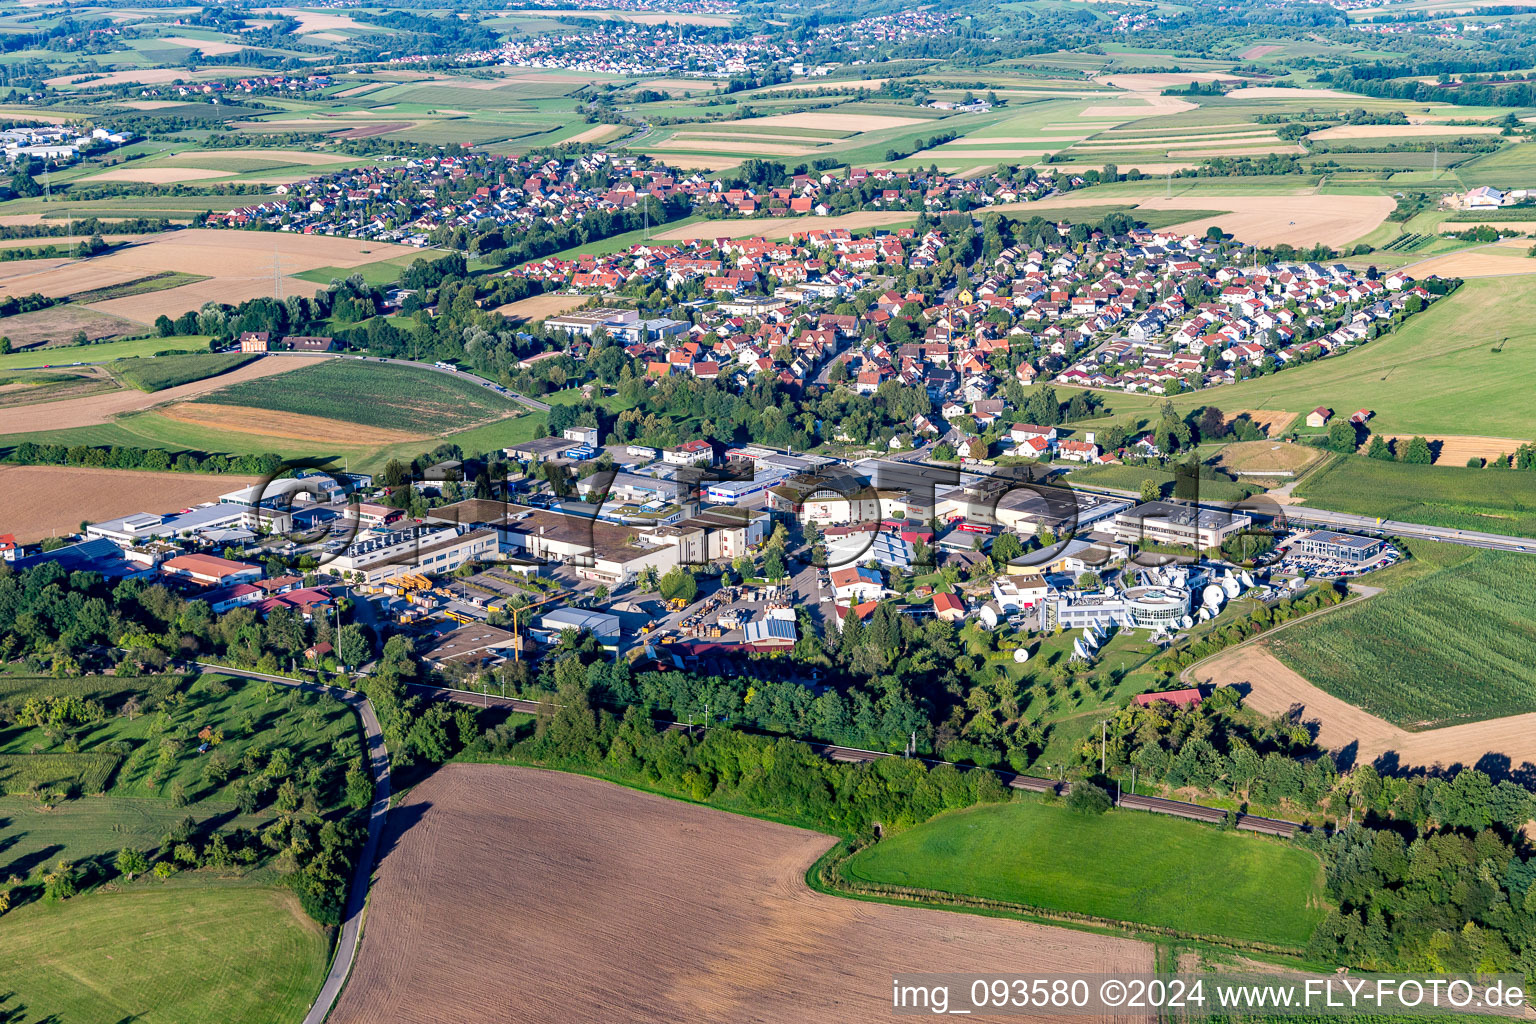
(1160,609)
(378,555)
(1338,547)
(1170,523)
(603,626)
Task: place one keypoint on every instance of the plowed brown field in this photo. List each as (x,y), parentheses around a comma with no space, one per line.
(43,501)
(511,894)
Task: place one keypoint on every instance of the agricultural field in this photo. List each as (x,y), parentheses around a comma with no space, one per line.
(30,387)
(704,903)
(1454,496)
(1450,645)
(393,398)
(47,501)
(98,409)
(1043,855)
(172,371)
(139,282)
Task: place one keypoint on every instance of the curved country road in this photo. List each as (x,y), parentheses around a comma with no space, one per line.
(357,893)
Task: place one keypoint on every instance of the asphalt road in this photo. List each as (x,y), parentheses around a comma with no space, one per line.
(1366,524)
(357,893)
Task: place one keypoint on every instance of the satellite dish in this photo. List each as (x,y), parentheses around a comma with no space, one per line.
(1079,650)
(1110,591)
(1203,615)
(1088,635)
(1247,579)
(1231,587)
(1186,622)
(1020,656)
(1212,596)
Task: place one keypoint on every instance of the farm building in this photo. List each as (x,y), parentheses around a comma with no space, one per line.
(1319,417)
(255,342)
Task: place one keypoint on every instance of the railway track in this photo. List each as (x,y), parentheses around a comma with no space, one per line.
(853,755)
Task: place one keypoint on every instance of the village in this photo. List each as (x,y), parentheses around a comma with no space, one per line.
(414,201)
(1151,312)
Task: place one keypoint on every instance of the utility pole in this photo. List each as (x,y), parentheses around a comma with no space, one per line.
(1103,744)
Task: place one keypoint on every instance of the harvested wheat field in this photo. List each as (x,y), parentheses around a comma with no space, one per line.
(1276,689)
(764,148)
(700,161)
(1255,52)
(312,21)
(46,501)
(565,898)
(1152,104)
(224,255)
(1492,261)
(243,419)
(783,227)
(1280,92)
(862,83)
(598,133)
(833,122)
(137,76)
(98,409)
(1394,131)
(537,307)
(1456,449)
(157,175)
(1275,220)
(1266,220)
(1272,421)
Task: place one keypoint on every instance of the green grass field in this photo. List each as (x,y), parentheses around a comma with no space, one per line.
(63,355)
(169,371)
(186,952)
(1124,865)
(1452,643)
(385,396)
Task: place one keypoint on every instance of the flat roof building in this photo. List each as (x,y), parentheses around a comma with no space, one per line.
(1338,547)
(1173,524)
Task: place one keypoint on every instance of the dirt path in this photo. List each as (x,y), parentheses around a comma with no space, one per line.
(1275,689)
(97,409)
(555,897)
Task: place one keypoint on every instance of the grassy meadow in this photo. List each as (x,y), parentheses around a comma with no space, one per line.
(231,943)
(1127,866)
(183,952)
